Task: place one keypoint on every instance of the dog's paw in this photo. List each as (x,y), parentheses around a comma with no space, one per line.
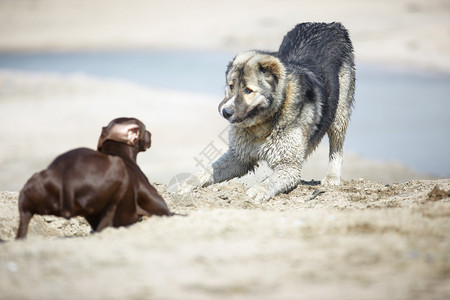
(331,181)
(259,193)
(195,181)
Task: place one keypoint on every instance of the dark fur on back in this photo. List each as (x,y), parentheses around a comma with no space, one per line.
(280,105)
(315,52)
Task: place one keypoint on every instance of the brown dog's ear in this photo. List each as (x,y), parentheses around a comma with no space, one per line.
(101,139)
(129,134)
(133,133)
(146,141)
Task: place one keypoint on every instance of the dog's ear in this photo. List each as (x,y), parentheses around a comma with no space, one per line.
(239,61)
(125,133)
(146,141)
(271,67)
(133,134)
(101,139)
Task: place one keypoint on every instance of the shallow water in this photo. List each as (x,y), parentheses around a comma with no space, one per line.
(400,115)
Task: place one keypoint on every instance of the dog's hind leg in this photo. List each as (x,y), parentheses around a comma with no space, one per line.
(93,220)
(107,217)
(25,217)
(337,130)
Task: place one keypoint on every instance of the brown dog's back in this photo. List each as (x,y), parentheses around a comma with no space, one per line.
(107,187)
(79,182)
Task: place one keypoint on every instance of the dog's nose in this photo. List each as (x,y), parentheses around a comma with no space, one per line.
(227,112)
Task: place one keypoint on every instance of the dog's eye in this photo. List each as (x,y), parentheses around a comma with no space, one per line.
(231,86)
(248,91)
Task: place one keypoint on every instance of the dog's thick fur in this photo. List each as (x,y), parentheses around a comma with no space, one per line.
(281,104)
(106,187)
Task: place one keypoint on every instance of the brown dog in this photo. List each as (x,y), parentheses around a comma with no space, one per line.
(106,187)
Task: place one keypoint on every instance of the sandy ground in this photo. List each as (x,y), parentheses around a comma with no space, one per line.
(363,240)
(384,234)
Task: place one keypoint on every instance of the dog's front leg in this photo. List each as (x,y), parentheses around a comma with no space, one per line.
(286,162)
(282,180)
(228,166)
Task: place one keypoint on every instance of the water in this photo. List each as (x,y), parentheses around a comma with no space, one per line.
(404,116)
(182,71)
(400,115)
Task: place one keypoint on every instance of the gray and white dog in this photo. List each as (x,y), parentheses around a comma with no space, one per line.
(281,104)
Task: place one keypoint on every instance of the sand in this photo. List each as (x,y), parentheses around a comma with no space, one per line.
(383,234)
(363,240)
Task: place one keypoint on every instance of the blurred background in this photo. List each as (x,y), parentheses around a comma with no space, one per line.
(69,67)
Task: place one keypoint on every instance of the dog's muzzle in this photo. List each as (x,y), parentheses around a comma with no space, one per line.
(227,112)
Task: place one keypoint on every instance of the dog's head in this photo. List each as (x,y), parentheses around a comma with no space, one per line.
(130,131)
(255,83)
